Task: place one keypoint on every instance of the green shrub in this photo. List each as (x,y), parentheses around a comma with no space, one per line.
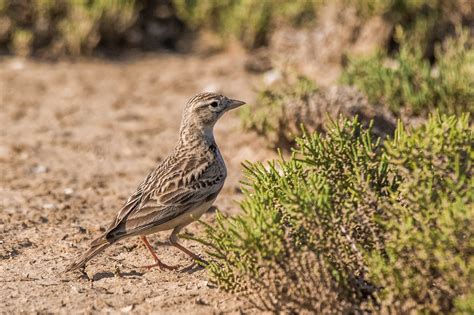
(252,21)
(428,262)
(90,21)
(350,225)
(56,27)
(249,21)
(21,42)
(321,201)
(77,27)
(410,85)
(426,22)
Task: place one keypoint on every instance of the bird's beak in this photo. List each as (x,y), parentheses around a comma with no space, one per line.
(235,103)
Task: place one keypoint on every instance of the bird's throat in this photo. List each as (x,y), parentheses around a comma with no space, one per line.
(193,135)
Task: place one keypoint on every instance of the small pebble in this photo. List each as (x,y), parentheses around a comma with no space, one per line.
(25,243)
(49,206)
(81,229)
(127,309)
(39,169)
(201,301)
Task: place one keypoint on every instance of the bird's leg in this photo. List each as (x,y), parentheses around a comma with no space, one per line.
(158,262)
(174,242)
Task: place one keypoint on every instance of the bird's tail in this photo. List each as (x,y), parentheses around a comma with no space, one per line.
(97,246)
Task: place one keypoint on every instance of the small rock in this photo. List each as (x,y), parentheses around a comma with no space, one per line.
(25,243)
(77,289)
(68,191)
(39,169)
(49,206)
(127,309)
(81,229)
(201,301)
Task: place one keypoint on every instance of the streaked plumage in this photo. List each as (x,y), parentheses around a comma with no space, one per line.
(180,189)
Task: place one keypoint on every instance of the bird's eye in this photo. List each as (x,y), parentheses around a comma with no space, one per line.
(213,104)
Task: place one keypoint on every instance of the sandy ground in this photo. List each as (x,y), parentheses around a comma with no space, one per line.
(76,138)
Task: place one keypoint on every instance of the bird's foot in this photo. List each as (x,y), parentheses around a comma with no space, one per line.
(195,257)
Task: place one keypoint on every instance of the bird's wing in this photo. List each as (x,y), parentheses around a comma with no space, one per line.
(175,187)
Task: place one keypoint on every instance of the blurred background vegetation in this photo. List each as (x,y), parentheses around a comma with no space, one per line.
(54,28)
(362,214)
(82,26)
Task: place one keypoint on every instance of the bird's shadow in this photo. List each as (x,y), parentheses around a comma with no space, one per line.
(192,268)
(107,274)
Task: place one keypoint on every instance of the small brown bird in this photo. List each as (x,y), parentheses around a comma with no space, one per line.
(180,189)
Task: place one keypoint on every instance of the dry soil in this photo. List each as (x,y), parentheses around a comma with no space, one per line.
(76,138)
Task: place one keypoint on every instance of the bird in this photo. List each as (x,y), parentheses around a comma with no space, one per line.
(179,190)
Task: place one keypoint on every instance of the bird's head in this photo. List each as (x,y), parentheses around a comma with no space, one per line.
(203,110)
